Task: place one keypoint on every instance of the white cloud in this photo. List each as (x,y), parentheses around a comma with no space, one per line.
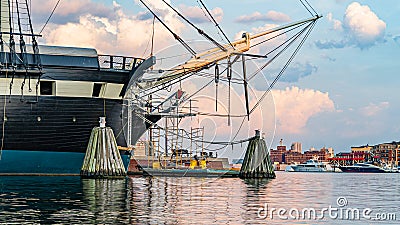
(89,32)
(271,16)
(374,109)
(68,11)
(120,34)
(297,71)
(337,24)
(295,106)
(396,39)
(197,15)
(363,25)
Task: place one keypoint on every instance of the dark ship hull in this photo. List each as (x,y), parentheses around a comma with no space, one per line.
(60,124)
(359,169)
(46,130)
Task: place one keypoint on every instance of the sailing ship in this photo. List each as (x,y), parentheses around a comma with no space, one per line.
(52,96)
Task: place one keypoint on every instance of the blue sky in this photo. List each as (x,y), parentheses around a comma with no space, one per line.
(344,80)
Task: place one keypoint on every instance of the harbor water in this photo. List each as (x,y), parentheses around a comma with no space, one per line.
(146,200)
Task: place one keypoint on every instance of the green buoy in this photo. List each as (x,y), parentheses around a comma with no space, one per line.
(102,159)
(257,162)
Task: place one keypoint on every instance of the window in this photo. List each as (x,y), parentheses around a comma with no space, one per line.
(47,87)
(96,89)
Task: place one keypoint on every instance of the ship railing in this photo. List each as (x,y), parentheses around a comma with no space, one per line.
(118,62)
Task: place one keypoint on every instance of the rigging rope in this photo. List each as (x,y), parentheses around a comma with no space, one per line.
(51,14)
(306,7)
(200,31)
(280,34)
(152,38)
(23,53)
(225,143)
(285,67)
(205,15)
(288,42)
(179,39)
(309,6)
(4,106)
(216,24)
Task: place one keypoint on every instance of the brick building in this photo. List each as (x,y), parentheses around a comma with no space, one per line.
(278,155)
(282,155)
(387,152)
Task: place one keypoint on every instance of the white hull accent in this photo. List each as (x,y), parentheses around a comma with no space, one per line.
(312,166)
(62,88)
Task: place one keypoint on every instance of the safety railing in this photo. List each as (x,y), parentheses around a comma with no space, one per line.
(118,62)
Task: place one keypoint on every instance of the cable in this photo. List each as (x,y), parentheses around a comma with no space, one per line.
(288,43)
(207,142)
(216,24)
(4,111)
(51,14)
(179,39)
(261,42)
(200,31)
(306,7)
(309,5)
(152,38)
(286,65)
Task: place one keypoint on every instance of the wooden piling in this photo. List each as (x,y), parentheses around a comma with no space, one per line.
(102,159)
(257,162)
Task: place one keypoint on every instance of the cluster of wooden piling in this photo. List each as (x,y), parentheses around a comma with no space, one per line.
(102,159)
(257,162)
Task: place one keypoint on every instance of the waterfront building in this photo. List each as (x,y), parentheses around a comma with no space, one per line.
(278,155)
(295,157)
(323,154)
(281,155)
(363,148)
(387,152)
(349,158)
(296,147)
(331,152)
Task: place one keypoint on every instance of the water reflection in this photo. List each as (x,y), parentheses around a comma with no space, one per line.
(186,200)
(189,200)
(62,200)
(104,201)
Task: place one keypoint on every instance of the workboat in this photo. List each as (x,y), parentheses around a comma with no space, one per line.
(311,165)
(52,96)
(362,168)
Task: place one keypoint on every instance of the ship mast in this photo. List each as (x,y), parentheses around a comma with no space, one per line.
(15,21)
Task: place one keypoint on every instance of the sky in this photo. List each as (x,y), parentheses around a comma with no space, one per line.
(341,90)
